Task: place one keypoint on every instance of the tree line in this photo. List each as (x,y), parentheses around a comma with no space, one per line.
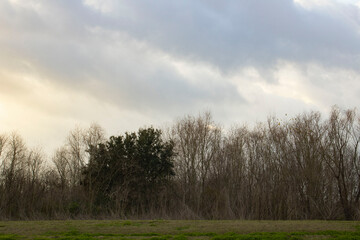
(306,167)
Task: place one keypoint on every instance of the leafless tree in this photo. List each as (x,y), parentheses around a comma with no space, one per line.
(340,152)
(302,168)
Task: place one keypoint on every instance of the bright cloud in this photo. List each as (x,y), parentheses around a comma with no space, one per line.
(309,4)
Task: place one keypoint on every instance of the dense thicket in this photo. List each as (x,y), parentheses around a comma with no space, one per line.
(302,168)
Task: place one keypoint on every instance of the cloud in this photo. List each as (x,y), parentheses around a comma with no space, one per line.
(126,64)
(246,32)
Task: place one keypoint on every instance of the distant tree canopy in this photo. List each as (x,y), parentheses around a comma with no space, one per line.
(135,166)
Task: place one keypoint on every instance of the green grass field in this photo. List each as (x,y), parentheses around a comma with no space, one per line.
(178,230)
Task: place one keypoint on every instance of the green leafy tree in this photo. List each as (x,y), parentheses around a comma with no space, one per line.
(127,173)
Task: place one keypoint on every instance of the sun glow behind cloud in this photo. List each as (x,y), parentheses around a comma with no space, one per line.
(40,111)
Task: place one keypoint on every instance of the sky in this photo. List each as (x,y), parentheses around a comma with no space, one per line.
(126,64)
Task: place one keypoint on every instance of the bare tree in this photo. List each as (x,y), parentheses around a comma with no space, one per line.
(340,151)
(196,141)
(13,172)
(302,168)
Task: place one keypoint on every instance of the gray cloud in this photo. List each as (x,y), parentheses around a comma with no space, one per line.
(246,32)
(227,34)
(162,59)
(60,45)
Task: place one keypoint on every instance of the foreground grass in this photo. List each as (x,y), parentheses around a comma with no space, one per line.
(179,230)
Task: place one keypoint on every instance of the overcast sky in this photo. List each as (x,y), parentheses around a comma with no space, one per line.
(134,63)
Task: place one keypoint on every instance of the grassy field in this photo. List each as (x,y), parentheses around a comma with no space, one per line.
(178,230)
